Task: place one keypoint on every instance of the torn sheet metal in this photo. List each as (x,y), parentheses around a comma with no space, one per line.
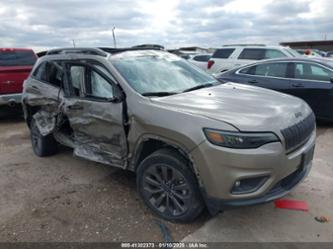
(47,99)
(98,130)
(38,94)
(45,121)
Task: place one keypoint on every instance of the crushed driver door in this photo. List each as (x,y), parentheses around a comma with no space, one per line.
(95,114)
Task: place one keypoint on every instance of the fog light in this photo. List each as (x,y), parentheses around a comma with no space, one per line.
(248,185)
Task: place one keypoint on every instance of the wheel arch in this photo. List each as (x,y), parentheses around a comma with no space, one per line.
(29,111)
(149,144)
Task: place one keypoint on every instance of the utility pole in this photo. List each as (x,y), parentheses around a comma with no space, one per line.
(73,41)
(114,37)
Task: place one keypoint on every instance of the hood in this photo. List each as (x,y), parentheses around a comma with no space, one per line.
(247,108)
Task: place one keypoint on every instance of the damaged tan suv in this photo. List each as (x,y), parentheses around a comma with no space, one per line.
(192,141)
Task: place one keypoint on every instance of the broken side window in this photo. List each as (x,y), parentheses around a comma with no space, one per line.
(100,87)
(105,71)
(77,79)
(39,72)
(90,81)
(54,73)
(50,72)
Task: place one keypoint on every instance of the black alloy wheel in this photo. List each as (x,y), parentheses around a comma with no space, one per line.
(169,187)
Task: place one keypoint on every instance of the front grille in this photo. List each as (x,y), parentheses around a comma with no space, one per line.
(298,134)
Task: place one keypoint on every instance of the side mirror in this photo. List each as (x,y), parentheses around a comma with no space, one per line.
(119,95)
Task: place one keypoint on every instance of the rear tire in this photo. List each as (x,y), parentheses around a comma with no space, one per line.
(169,187)
(42,145)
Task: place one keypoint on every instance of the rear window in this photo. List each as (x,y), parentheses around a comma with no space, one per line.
(274,53)
(252,54)
(309,71)
(223,53)
(260,54)
(203,58)
(17,58)
(271,69)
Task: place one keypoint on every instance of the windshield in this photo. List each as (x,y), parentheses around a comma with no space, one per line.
(329,62)
(293,52)
(17,58)
(155,71)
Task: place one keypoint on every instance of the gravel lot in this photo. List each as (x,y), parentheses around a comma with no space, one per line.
(63,198)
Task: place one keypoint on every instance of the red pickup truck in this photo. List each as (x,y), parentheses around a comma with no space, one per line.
(15,67)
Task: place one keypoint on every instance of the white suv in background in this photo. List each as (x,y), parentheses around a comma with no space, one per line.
(231,56)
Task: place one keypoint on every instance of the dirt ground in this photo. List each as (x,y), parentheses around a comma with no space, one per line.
(63,198)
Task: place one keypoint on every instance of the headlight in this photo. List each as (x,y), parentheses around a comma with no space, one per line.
(239,140)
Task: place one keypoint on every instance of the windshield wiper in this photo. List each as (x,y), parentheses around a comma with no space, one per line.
(158,94)
(199,87)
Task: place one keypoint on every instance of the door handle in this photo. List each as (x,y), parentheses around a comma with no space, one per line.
(75,107)
(252,81)
(297,85)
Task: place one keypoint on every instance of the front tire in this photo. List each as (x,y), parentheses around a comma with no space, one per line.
(42,145)
(169,187)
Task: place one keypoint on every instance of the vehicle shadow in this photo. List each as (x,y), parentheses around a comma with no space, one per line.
(324,124)
(122,183)
(11,114)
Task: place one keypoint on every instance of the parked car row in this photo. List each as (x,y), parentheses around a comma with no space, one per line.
(312,52)
(329,54)
(310,79)
(231,56)
(278,68)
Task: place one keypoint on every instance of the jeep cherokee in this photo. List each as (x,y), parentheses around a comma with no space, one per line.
(191,141)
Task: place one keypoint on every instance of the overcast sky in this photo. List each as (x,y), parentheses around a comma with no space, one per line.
(172,23)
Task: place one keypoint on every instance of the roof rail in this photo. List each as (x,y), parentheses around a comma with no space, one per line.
(101,51)
(134,48)
(156,46)
(91,51)
(244,45)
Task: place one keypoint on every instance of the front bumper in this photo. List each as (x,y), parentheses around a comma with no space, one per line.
(219,168)
(10,99)
(282,188)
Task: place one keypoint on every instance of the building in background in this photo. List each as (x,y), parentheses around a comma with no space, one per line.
(324,45)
